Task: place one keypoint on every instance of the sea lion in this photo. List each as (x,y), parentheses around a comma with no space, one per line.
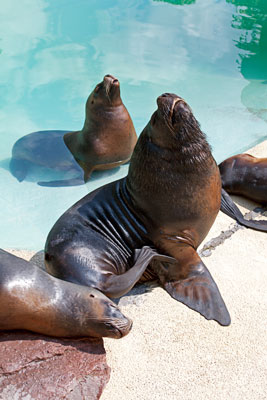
(32,299)
(108,136)
(169,201)
(106,140)
(245,175)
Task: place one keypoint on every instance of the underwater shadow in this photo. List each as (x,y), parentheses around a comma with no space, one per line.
(43,158)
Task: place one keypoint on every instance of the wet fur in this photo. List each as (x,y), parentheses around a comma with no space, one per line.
(185,151)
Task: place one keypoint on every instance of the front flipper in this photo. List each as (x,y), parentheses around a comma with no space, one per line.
(117,285)
(191,283)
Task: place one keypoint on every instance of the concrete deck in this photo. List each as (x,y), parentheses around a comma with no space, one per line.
(174,353)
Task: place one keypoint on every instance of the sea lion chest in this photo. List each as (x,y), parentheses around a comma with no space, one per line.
(103,227)
(179,208)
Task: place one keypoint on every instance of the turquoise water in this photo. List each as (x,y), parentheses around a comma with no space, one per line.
(52,53)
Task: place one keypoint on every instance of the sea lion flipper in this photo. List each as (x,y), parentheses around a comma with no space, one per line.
(61,183)
(190,282)
(229,208)
(147,253)
(117,285)
(200,293)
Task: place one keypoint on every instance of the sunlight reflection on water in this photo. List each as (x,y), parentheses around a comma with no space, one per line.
(212,53)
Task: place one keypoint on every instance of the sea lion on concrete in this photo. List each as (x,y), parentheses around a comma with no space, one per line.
(245,175)
(32,299)
(106,140)
(169,200)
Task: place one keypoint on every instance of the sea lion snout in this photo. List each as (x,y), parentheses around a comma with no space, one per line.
(109,76)
(167,101)
(120,328)
(115,323)
(170,106)
(111,86)
(169,95)
(111,80)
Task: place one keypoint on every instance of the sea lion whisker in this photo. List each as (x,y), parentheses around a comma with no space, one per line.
(107,90)
(166,115)
(107,93)
(175,101)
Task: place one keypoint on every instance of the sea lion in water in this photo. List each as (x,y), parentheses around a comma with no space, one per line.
(169,200)
(32,299)
(108,136)
(245,175)
(106,140)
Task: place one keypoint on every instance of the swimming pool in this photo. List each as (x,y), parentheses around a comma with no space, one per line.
(213,53)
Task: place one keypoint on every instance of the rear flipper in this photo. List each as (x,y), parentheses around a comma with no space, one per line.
(230,209)
(191,283)
(19,168)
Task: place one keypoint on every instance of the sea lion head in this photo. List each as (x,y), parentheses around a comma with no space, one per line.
(104,317)
(173,123)
(106,93)
(172,140)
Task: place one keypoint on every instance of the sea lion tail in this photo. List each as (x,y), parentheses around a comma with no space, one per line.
(229,208)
